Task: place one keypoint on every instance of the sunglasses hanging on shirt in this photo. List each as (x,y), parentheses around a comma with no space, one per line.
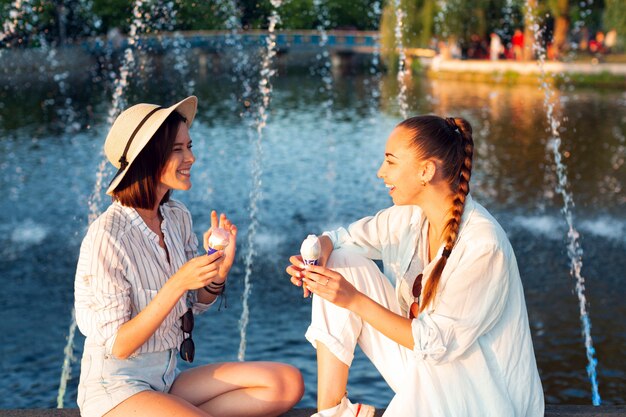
(187,347)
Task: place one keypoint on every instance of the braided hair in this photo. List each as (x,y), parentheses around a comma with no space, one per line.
(450,142)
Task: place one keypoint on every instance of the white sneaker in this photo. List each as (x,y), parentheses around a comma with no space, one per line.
(347,409)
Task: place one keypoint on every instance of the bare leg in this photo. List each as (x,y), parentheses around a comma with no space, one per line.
(241,389)
(332,378)
(153,403)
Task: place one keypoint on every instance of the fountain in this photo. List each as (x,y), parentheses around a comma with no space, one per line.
(375,14)
(402,70)
(265,89)
(574,248)
(126,72)
(325,73)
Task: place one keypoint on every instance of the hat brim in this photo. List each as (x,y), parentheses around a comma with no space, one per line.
(127,122)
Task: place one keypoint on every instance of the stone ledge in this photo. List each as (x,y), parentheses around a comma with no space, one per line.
(551,411)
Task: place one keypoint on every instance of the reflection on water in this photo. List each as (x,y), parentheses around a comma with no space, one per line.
(47,175)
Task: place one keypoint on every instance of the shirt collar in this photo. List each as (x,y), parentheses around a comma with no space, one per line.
(468,211)
(137,221)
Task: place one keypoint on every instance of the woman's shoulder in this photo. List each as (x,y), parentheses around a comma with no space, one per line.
(110,226)
(480,228)
(116,220)
(176,208)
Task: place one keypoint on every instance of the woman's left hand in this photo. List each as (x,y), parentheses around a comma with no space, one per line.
(230,250)
(329,285)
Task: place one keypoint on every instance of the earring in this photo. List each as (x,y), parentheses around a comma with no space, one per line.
(423,183)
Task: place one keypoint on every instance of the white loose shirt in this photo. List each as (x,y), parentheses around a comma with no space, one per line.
(473,353)
(121,268)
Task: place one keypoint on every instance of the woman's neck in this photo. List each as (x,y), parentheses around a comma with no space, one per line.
(149,214)
(436,207)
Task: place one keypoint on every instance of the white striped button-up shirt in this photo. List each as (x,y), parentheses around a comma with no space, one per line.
(122,267)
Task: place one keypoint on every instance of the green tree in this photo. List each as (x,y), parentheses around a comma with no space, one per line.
(614,18)
(418,27)
(351,14)
(32,24)
(200,15)
(298,14)
(113,13)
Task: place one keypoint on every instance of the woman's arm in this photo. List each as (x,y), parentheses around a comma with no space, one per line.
(333,287)
(195,274)
(474,297)
(392,325)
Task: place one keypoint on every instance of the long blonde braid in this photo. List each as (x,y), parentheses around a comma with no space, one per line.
(449,141)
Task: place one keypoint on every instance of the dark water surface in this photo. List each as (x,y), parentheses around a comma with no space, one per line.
(318,173)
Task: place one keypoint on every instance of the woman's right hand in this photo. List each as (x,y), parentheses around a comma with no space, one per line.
(296,271)
(199,271)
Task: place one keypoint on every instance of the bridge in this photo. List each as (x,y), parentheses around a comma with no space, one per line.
(336,41)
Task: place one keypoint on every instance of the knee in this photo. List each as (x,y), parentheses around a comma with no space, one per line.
(290,384)
(354,267)
(343,258)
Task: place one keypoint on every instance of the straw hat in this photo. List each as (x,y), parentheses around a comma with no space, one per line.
(133,129)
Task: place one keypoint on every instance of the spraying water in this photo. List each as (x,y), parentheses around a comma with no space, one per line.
(375,13)
(94,200)
(180,45)
(67,361)
(265,88)
(128,64)
(574,249)
(402,72)
(325,71)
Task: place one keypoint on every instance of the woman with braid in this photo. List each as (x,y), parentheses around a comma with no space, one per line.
(445,322)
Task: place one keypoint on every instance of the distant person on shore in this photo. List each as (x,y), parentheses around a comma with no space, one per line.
(477,48)
(495,47)
(610,41)
(451,337)
(596,45)
(139,283)
(518,45)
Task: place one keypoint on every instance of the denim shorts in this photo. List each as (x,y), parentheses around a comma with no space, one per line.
(106,381)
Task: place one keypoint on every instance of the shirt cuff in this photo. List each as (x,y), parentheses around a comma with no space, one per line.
(430,341)
(334,236)
(197,307)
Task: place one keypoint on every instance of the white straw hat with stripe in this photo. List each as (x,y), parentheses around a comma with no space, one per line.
(133,129)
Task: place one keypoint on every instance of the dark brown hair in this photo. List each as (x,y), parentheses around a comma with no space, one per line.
(450,142)
(139,186)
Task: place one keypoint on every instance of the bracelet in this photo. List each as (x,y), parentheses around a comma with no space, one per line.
(210,290)
(217,284)
(221,292)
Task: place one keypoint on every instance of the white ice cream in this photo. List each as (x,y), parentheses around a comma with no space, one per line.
(218,240)
(310,249)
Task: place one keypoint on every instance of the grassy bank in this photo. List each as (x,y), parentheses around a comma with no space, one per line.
(603,79)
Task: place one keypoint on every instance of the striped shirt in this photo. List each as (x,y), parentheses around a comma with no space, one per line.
(122,267)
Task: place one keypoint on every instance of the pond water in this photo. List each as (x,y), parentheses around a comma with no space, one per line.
(319,172)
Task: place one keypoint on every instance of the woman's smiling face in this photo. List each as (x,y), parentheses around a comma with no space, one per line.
(400,168)
(176,174)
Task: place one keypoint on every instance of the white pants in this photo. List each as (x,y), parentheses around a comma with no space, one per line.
(340,330)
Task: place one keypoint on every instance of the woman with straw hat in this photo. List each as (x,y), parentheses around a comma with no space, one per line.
(139,283)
